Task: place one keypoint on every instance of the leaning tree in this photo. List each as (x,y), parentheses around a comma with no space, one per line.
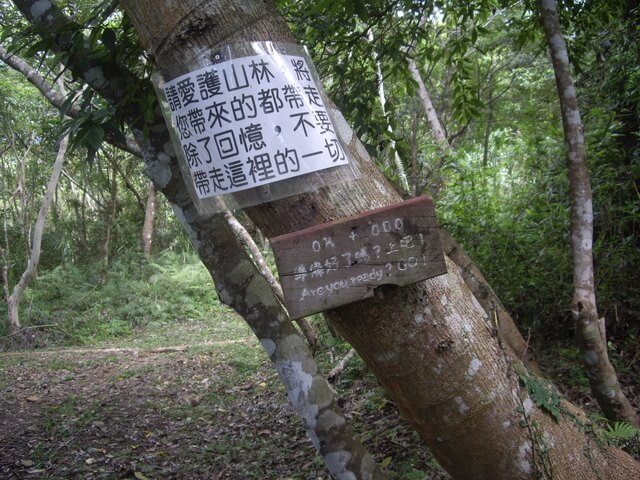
(431,345)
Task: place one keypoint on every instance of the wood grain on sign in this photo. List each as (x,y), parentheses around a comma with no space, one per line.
(337,263)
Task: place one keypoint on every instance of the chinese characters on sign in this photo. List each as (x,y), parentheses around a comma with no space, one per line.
(251,121)
(329,265)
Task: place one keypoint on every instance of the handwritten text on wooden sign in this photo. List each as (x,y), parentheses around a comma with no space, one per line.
(329,265)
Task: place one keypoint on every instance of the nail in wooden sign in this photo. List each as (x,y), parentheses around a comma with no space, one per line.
(333,264)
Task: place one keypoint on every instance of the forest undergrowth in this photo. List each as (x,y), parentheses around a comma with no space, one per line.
(142,373)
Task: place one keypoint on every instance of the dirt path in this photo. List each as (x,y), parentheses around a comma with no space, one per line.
(134,351)
(214,411)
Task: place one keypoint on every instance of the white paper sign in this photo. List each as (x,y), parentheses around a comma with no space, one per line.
(251,121)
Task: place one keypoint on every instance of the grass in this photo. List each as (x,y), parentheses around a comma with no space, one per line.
(137,304)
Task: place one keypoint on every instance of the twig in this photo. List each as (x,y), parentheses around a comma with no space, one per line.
(28,328)
(526,346)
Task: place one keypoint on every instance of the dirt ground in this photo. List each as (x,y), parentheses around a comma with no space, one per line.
(210,412)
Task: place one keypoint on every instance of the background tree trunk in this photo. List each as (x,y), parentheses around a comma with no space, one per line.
(258,259)
(589,330)
(430,345)
(13,301)
(393,150)
(471,274)
(149,216)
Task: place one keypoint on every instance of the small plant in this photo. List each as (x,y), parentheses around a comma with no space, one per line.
(543,393)
(623,435)
(621,432)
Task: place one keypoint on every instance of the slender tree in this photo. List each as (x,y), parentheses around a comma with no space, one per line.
(149,216)
(13,300)
(590,330)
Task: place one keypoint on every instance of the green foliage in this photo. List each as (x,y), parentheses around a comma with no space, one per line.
(621,431)
(543,393)
(621,434)
(81,308)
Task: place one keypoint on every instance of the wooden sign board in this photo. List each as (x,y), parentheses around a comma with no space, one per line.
(333,264)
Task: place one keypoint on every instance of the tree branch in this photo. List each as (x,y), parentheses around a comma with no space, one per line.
(57,100)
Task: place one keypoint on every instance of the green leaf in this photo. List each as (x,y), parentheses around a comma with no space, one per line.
(94,137)
(622,431)
(109,38)
(66,105)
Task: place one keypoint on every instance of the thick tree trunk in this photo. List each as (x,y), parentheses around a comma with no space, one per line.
(589,329)
(13,301)
(431,345)
(470,272)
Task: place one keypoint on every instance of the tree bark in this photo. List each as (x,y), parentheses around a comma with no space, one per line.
(149,216)
(258,259)
(589,330)
(13,301)
(470,272)
(430,345)
(429,109)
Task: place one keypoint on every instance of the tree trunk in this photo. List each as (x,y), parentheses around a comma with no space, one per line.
(470,272)
(430,345)
(415,177)
(487,129)
(258,259)
(13,301)
(110,216)
(149,216)
(429,109)
(589,329)
(397,161)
